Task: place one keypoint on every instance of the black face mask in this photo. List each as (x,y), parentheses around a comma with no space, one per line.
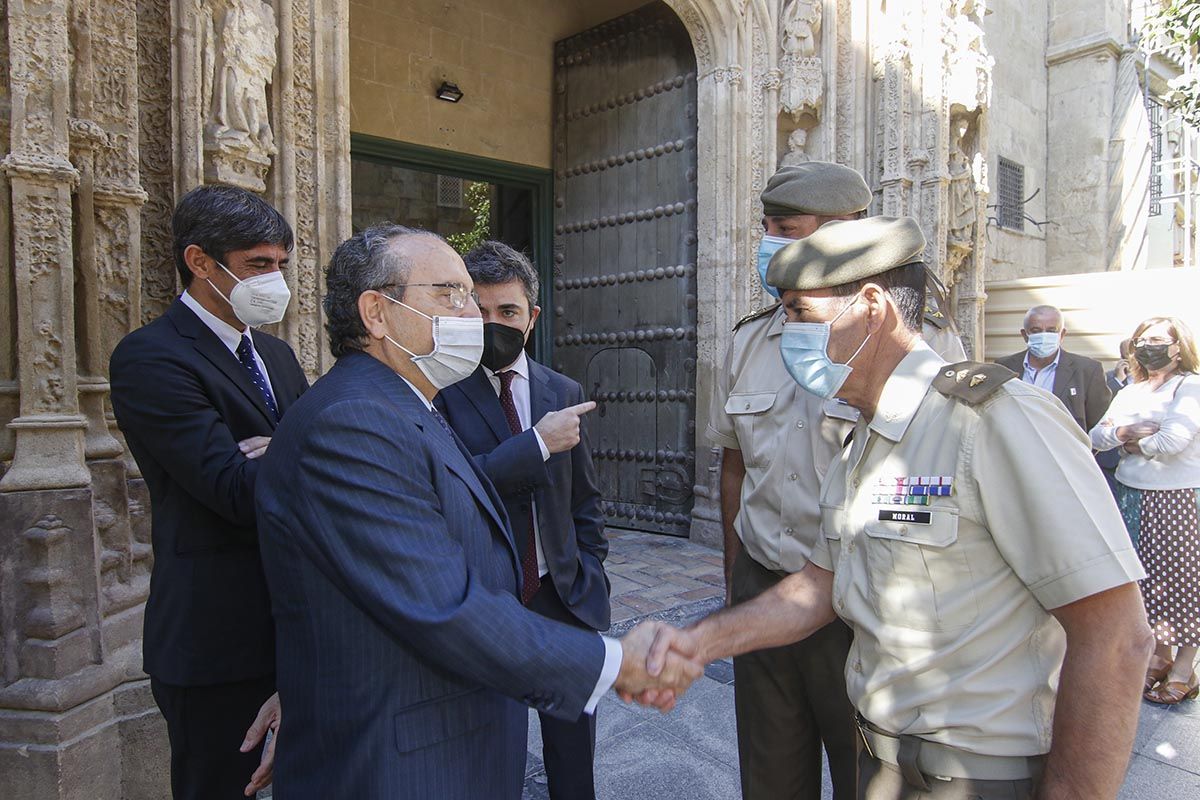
(501,345)
(1153,356)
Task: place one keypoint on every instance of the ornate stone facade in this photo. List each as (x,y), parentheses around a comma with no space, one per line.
(111,111)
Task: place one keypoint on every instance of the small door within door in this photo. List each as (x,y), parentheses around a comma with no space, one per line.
(625,257)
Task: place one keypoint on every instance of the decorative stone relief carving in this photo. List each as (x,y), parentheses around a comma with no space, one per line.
(238,58)
(803,73)
(963,202)
(797,141)
(154,155)
(969,68)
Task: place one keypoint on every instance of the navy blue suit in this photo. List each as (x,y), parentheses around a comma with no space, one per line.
(393,582)
(570,526)
(184,401)
(570,518)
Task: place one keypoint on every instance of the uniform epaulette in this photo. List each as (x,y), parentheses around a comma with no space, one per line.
(971,381)
(762,312)
(935,317)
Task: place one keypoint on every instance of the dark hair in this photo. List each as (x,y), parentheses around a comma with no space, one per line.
(495,262)
(222,219)
(906,286)
(364,262)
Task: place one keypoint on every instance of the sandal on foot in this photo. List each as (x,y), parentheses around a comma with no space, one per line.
(1157,672)
(1173,692)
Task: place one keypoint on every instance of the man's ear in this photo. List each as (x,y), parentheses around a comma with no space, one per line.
(199,262)
(371,311)
(877,304)
(1024,335)
(533,318)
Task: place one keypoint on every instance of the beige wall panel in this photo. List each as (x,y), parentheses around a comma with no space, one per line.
(1099,309)
(499,52)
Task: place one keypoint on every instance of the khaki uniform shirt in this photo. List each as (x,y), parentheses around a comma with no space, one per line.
(949,600)
(787,437)
(944,341)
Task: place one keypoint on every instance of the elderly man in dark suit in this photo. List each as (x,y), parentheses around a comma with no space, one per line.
(545,477)
(1078,381)
(198,393)
(403,646)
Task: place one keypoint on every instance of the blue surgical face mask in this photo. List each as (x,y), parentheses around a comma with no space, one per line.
(805,351)
(769,246)
(1043,345)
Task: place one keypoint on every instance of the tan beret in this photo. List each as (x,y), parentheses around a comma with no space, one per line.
(846,251)
(815,187)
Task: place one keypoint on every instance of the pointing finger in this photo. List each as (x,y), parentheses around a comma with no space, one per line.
(582,408)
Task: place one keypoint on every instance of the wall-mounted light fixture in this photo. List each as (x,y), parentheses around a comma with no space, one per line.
(449,92)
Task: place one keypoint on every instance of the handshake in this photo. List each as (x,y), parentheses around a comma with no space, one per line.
(658,665)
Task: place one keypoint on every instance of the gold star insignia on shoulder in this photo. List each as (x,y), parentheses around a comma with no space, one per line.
(961,375)
(977,379)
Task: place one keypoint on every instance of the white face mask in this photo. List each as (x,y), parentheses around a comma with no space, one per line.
(457,348)
(261,300)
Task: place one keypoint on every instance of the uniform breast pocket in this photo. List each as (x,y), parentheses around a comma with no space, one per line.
(920,577)
(749,411)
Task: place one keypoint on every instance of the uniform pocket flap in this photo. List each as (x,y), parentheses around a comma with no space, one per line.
(923,526)
(443,718)
(749,403)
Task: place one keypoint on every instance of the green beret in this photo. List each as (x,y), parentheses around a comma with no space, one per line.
(815,187)
(846,251)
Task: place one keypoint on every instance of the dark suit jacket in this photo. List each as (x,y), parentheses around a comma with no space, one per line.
(1109,459)
(1078,382)
(393,580)
(570,518)
(183,402)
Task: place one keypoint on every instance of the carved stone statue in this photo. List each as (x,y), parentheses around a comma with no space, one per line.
(802,88)
(795,148)
(969,77)
(799,26)
(962,200)
(238,59)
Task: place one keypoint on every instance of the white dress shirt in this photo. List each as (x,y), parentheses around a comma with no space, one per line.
(613,653)
(520,392)
(1042,378)
(230,336)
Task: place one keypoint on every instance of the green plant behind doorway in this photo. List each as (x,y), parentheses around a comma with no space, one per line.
(478,197)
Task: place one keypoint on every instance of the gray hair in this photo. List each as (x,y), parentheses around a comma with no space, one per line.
(1043,309)
(495,262)
(366,261)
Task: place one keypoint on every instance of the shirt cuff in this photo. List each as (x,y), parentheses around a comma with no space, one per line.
(541,445)
(608,674)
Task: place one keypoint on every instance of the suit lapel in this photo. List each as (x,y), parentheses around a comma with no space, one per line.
(541,397)
(455,454)
(1064,376)
(209,346)
(478,389)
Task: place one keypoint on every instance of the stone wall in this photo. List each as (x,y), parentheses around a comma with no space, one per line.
(498,52)
(1016,34)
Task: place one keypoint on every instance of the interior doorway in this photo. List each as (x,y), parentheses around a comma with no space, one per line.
(464,199)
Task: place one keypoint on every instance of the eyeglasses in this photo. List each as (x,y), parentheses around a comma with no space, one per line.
(456,294)
(1152,341)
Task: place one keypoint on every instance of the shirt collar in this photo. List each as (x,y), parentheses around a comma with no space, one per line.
(904,391)
(520,366)
(417,392)
(230,336)
(1053,363)
(777,322)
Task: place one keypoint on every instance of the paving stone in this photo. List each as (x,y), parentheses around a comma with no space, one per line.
(705,719)
(1148,779)
(648,762)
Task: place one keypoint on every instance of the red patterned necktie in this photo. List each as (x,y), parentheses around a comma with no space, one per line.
(529,564)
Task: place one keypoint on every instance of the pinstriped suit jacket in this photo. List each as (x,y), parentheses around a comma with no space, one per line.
(393,580)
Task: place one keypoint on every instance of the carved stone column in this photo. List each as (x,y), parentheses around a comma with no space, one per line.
(48,451)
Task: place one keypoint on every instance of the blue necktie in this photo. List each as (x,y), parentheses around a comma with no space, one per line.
(245,354)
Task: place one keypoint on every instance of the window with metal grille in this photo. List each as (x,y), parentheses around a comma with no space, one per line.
(449,191)
(1154,112)
(1010,211)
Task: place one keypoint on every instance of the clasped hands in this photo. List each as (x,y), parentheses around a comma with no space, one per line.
(1131,435)
(658,665)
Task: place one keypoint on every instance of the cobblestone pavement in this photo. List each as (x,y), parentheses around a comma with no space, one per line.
(691,753)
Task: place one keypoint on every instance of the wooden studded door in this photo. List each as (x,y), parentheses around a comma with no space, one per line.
(625,257)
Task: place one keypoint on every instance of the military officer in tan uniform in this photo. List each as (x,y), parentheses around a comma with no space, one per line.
(777,442)
(968,539)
